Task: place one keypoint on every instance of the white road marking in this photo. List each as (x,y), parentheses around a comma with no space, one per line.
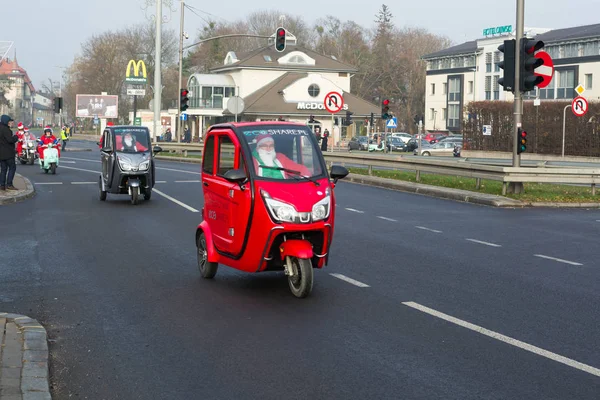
(81,169)
(356,211)
(557,259)
(349,280)
(387,219)
(178,170)
(166,196)
(514,342)
(428,229)
(80,159)
(84,183)
(482,242)
(48,183)
(68,162)
(160,182)
(187,181)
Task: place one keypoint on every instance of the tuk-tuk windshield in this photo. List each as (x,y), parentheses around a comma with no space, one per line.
(283,152)
(131,140)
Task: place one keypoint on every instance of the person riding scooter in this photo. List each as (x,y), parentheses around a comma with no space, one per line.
(44,140)
(267,162)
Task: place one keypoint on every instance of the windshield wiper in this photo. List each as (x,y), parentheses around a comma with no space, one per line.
(291,171)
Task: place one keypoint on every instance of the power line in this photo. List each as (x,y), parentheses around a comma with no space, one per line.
(196,10)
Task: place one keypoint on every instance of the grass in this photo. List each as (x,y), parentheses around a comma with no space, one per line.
(533,192)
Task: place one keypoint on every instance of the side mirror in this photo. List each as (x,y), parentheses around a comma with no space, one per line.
(236,176)
(107,149)
(98,144)
(157,149)
(338,172)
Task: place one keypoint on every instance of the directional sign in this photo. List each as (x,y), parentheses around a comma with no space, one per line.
(136,92)
(487,130)
(334,102)
(392,123)
(546,71)
(183,117)
(579,106)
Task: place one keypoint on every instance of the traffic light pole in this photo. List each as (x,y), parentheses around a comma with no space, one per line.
(179,122)
(517,187)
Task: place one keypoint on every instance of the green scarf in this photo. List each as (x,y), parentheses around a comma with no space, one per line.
(267,172)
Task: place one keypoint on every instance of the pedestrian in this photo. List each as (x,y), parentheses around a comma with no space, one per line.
(65,137)
(324,141)
(8,167)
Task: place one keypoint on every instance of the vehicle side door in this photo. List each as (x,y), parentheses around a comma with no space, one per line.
(105,155)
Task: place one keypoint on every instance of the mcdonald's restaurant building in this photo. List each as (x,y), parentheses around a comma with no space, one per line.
(289,85)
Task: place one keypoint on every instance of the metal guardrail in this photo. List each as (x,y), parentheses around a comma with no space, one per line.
(540,172)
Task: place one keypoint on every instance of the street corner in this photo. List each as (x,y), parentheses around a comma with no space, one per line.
(24,368)
(25,191)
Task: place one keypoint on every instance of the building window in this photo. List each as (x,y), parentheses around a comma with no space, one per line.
(444,114)
(496,88)
(591,49)
(553,51)
(313,90)
(570,50)
(496,61)
(488,87)
(454,115)
(565,89)
(547,93)
(431,113)
(470,87)
(445,63)
(433,88)
(454,94)
(444,88)
(588,81)
(488,62)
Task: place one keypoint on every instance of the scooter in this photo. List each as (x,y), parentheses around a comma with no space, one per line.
(50,161)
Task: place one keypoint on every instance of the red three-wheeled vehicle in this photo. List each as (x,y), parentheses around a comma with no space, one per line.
(268,201)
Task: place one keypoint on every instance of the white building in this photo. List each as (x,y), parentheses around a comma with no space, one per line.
(290,85)
(469,72)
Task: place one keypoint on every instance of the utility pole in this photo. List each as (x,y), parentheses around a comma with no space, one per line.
(179,122)
(157,62)
(517,187)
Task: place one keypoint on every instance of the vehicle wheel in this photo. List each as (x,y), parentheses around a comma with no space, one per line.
(148,194)
(426,153)
(22,161)
(301,284)
(135,196)
(45,170)
(53,168)
(207,269)
(102,192)
(30,162)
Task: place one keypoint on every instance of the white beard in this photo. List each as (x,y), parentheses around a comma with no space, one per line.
(128,143)
(268,157)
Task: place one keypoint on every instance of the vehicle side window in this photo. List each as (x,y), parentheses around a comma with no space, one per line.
(208,157)
(227,153)
(107,140)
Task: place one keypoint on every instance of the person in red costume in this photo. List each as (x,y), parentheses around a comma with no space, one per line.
(46,138)
(265,156)
(21,135)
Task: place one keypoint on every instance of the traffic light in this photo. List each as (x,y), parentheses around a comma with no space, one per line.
(508,65)
(385,109)
(184,99)
(522,138)
(58,104)
(311,119)
(349,117)
(528,80)
(372,119)
(280,40)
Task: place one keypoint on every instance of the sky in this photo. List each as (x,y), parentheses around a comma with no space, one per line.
(47,34)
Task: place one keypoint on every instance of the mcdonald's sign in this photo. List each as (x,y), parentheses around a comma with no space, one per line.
(139,72)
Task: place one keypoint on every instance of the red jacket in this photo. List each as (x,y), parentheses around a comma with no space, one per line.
(285,162)
(45,140)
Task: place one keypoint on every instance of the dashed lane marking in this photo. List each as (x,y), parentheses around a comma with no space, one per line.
(387,219)
(482,242)
(356,211)
(47,183)
(166,196)
(192,181)
(557,259)
(428,229)
(84,183)
(80,169)
(513,342)
(349,280)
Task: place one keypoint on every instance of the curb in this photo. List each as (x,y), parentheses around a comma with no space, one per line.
(29,193)
(35,372)
(564,205)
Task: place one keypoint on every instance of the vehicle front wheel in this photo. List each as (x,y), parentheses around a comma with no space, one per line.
(53,168)
(301,283)
(426,153)
(148,194)
(207,269)
(102,192)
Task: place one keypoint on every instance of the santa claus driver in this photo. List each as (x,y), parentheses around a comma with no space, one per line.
(21,135)
(270,164)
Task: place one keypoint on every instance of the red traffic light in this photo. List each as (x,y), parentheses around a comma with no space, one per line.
(386,102)
(280,32)
(184,92)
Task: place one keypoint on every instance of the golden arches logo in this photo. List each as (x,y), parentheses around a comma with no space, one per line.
(138,67)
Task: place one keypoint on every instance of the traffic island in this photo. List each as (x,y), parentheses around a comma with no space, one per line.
(25,191)
(24,372)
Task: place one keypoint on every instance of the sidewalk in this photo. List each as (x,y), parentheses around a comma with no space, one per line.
(25,191)
(23,359)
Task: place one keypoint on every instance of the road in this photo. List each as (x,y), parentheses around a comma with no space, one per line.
(129,317)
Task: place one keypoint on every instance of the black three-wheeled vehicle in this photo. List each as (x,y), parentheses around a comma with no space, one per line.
(127,162)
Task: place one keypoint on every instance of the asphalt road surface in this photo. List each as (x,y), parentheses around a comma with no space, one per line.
(423,298)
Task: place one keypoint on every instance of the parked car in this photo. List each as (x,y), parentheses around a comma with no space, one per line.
(413,144)
(358,143)
(395,143)
(403,135)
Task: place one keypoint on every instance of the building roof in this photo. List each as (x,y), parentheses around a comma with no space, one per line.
(465,48)
(8,67)
(256,59)
(269,100)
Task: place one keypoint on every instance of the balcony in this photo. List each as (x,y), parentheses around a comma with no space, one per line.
(215,103)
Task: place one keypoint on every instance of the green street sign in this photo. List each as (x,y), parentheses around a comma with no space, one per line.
(497,30)
(138,121)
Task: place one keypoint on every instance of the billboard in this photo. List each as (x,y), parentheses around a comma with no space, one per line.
(139,72)
(91,105)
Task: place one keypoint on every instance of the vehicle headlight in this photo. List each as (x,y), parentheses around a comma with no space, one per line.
(144,165)
(280,211)
(321,210)
(125,166)
(29,144)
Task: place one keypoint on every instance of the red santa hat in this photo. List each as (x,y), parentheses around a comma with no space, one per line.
(265,137)
(20,125)
(47,128)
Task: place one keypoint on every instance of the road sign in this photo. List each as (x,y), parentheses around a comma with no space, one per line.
(487,130)
(334,102)
(579,106)
(546,71)
(235,105)
(392,122)
(96,120)
(136,92)
(138,121)
(580,89)
(183,117)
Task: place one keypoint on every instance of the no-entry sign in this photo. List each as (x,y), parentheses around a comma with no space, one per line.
(333,102)
(579,106)
(546,70)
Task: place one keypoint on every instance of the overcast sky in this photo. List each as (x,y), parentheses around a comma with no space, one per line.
(49,33)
